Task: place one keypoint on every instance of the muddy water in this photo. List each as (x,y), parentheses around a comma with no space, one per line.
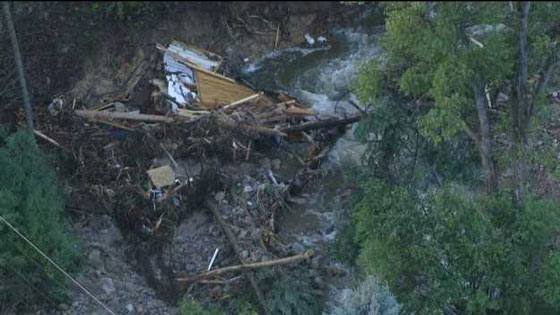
(321,77)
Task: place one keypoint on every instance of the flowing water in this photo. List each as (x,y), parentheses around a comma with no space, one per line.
(320,78)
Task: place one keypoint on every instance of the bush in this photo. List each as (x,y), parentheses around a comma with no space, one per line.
(30,200)
(192,307)
(369,298)
(246,308)
(287,295)
(345,248)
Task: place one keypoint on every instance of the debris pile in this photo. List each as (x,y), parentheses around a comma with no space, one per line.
(151,162)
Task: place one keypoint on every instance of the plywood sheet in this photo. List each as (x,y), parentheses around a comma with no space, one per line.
(161,176)
(215,91)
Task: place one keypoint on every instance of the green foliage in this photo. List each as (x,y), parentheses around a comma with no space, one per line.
(246,308)
(447,251)
(287,295)
(31,200)
(432,58)
(369,298)
(398,151)
(192,307)
(345,248)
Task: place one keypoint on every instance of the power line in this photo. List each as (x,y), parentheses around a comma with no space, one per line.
(57,266)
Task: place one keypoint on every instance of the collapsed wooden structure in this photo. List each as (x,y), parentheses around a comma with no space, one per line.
(194,89)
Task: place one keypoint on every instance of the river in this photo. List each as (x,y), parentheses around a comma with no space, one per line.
(321,78)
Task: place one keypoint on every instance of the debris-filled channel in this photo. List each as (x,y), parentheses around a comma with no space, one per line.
(321,77)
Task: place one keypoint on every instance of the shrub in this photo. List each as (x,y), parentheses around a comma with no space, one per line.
(287,295)
(31,201)
(369,298)
(193,307)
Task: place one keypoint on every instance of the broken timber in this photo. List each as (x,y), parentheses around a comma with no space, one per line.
(237,249)
(256,265)
(215,90)
(93,115)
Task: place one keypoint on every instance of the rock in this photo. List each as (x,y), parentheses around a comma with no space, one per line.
(107,286)
(219,196)
(130,307)
(318,282)
(265,163)
(316,262)
(297,247)
(297,201)
(94,258)
(244,254)
(276,164)
(247,189)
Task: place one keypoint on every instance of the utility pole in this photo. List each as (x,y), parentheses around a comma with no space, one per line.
(19,64)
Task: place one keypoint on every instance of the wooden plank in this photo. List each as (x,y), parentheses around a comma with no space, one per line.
(243,100)
(92,114)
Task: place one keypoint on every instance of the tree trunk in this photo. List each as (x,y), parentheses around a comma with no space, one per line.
(520,109)
(485,140)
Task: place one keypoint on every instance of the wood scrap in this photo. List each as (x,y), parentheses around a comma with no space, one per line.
(216,272)
(162,176)
(296,111)
(169,156)
(94,115)
(55,143)
(247,99)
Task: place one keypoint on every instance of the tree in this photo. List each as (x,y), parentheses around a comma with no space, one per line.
(455,57)
(30,200)
(453,253)
(545,61)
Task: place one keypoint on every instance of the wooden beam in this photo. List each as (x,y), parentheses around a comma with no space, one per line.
(262,264)
(243,100)
(93,115)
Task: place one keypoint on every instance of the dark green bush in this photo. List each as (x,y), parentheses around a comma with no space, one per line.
(31,200)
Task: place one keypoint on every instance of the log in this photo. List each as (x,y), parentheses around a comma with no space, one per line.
(93,115)
(40,134)
(296,111)
(327,123)
(262,264)
(233,241)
